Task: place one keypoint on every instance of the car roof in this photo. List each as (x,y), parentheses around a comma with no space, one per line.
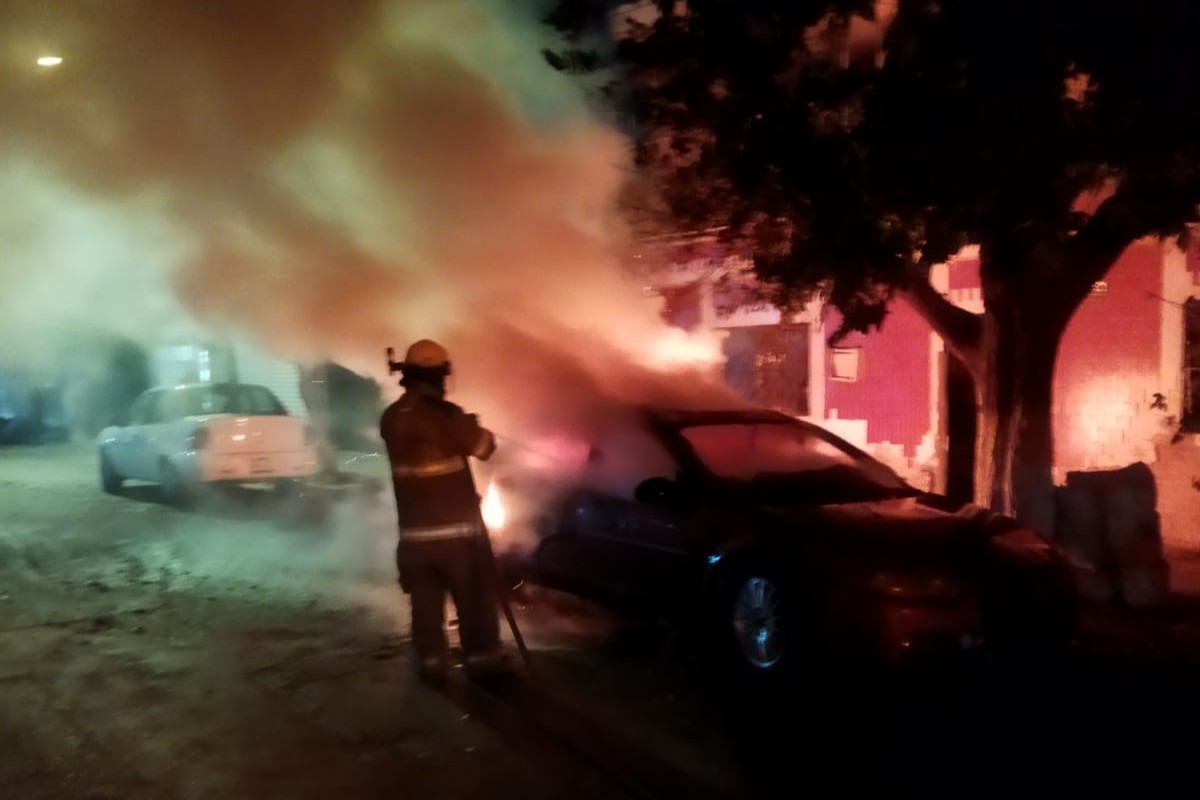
(181,387)
(717,416)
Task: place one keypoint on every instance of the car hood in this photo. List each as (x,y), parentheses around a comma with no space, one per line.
(921,520)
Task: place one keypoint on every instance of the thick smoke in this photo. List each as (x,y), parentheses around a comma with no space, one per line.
(329,178)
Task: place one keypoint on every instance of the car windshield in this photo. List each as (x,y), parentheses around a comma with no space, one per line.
(246,399)
(789,456)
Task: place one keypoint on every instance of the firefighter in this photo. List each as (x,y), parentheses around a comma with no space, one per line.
(441,548)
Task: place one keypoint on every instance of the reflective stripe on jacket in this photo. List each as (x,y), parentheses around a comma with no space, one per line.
(444,467)
(428,441)
(458,530)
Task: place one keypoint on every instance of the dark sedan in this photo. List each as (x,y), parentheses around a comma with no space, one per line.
(786,544)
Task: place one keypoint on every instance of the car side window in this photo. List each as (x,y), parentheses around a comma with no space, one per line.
(160,409)
(143,410)
(623,457)
(259,401)
(174,405)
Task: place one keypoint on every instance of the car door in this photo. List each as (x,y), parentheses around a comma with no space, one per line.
(126,449)
(611,544)
(146,441)
(162,431)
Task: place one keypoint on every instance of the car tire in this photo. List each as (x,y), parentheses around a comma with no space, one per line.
(110,480)
(286,489)
(757,623)
(175,492)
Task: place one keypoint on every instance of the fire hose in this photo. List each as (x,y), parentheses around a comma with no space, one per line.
(510,441)
(501,592)
(502,595)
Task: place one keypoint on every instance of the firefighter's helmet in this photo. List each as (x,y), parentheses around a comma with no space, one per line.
(427,354)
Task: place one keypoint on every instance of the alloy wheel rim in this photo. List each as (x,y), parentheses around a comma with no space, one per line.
(757,622)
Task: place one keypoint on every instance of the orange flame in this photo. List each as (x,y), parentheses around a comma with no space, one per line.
(493,509)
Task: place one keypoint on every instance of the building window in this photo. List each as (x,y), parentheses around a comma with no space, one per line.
(844,363)
(205,361)
(768,365)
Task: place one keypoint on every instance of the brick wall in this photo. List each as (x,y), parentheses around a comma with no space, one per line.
(892,389)
(1109,370)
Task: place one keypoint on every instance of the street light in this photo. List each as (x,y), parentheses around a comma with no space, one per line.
(49,61)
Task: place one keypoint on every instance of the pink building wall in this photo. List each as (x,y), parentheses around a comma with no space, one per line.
(892,390)
(1108,362)
(1109,365)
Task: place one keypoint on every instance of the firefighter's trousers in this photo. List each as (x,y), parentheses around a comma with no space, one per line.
(462,568)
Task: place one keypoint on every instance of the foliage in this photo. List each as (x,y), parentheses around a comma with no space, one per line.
(846,146)
(103,376)
(355,405)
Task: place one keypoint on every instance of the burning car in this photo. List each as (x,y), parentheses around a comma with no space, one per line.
(183,436)
(784,543)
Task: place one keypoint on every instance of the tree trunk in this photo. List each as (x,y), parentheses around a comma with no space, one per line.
(1029,294)
(1014,387)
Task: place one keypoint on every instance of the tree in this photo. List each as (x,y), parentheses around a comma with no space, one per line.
(850,146)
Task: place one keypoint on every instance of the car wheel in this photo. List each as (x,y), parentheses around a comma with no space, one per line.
(759,621)
(755,617)
(286,489)
(174,490)
(110,480)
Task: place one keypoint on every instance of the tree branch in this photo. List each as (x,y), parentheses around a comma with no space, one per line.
(1121,220)
(961,329)
(1117,222)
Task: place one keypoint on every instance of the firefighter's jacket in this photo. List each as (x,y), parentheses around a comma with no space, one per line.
(429,441)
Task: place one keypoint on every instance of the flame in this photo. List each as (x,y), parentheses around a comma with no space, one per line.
(676,348)
(493,508)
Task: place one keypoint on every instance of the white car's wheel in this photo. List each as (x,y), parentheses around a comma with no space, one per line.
(110,480)
(174,490)
(287,488)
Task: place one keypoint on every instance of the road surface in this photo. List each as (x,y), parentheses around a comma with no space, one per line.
(257,647)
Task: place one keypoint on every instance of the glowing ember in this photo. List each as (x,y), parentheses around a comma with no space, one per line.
(493,509)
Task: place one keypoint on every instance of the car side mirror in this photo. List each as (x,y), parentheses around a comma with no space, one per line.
(658,491)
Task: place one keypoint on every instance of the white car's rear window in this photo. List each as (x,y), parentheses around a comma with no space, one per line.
(222,399)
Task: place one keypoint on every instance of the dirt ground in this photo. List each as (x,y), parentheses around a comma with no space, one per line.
(250,648)
(257,648)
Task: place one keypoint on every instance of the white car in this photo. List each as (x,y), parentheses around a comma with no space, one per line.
(182,436)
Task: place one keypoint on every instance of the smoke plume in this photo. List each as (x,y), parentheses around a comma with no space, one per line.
(329,179)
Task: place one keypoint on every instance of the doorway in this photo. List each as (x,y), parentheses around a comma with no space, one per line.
(768,365)
(961,419)
(1190,418)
